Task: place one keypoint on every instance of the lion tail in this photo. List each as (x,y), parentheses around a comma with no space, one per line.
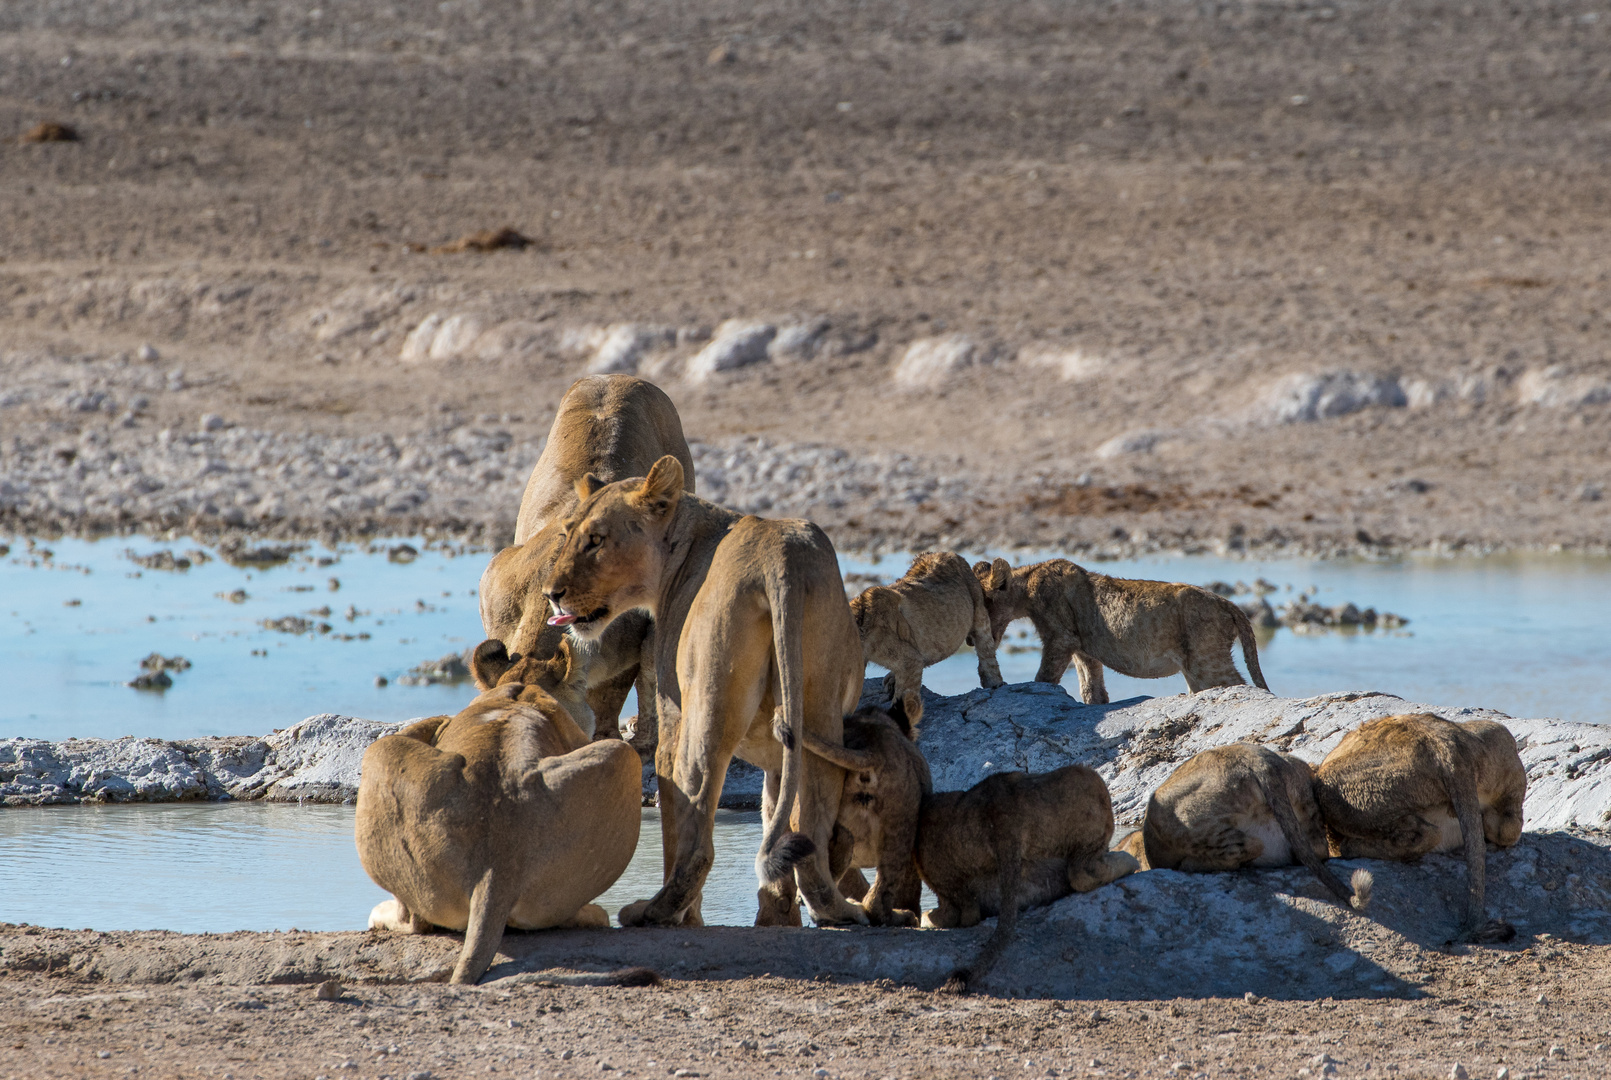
(1250,647)
(780,848)
(489,913)
(1286,818)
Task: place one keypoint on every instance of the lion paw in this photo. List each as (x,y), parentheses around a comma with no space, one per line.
(633,914)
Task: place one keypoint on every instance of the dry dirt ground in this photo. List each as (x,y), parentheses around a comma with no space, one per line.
(1142,216)
(1538,1011)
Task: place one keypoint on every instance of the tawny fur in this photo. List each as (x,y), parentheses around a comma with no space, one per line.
(1402,786)
(1143,629)
(610,427)
(1235,806)
(503,815)
(1014,840)
(921,619)
(754,648)
(886,779)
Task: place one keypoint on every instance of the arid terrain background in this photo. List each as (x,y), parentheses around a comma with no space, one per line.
(1307,275)
(1310,276)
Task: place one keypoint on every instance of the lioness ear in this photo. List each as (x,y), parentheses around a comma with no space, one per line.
(489,662)
(662,487)
(1000,574)
(572,668)
(587,485)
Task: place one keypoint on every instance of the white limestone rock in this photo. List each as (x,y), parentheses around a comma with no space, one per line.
(931,362)
(1305,398)
(737,343)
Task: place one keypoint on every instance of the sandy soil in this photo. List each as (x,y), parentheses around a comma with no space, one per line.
(1538,1011)
(1141,216)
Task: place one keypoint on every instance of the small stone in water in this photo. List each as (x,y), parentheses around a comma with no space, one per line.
(381,680)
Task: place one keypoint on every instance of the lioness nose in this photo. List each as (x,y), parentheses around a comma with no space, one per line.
(554,596)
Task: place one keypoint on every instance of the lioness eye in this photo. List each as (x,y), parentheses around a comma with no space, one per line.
(592,543)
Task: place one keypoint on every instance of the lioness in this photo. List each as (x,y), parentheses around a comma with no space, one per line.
(612,427)
(1014,839)
(504,815)
(1239,805)
(1401,786)
(1143,629)
(754,647)
(886,779)
(920,620)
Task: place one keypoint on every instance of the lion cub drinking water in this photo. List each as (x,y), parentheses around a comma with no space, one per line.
(1239,805)
(1402,786)
(886,781)
(921,619)
(504,815)
(1014,839)
(1143,629)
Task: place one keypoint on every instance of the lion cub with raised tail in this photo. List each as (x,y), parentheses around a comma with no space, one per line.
(504,815)
(1143,629)
(1401,786)
(885,782)
(1235,806)
(1014,840)
(935,608)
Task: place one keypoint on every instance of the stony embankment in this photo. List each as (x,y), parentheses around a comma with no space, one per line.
(1134,744)
(1269,933)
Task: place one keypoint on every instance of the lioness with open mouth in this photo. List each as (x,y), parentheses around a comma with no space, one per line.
(613,427)
(754,647)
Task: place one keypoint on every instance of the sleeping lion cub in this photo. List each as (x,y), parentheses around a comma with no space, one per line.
(1143,629)
(1235,806)
(1402,786)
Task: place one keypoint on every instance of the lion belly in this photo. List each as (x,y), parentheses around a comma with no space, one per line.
(1277,852)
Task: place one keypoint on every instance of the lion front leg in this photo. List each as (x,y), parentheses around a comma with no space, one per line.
(1055,652)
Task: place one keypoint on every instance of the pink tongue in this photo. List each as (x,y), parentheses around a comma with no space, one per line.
(561,620)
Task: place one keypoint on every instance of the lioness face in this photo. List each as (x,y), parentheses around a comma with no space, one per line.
(611,553)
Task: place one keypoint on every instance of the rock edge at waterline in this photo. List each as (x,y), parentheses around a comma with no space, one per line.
(1134,744)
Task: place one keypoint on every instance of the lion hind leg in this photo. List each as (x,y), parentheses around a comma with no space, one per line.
(1104,869)
(392,915)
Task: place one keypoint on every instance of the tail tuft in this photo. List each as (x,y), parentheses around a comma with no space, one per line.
(776,864)
(1361,882)
(635,976)
(957,984)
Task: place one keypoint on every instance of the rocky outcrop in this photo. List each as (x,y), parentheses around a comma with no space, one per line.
(1134,744)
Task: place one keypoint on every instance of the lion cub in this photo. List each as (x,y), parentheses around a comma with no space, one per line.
(886,781)
(1143,629)
(1014,839)
(910,624)
(504,815)
(1239,805)
(1401,786)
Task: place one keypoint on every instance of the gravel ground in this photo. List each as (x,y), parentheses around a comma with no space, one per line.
(1324,278)
(1538,1011)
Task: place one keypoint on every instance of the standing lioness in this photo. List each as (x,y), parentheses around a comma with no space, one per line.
(612,427)
(754,647)
(1402,786)
(920,620)
(1143,629)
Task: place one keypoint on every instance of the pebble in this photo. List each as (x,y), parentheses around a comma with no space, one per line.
(1459,1072)
(329,990)
(1502,1074)
(1558,1052)
(566,1055)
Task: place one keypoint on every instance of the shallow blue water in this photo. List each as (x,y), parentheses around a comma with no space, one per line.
(217,867)
(1523,634)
